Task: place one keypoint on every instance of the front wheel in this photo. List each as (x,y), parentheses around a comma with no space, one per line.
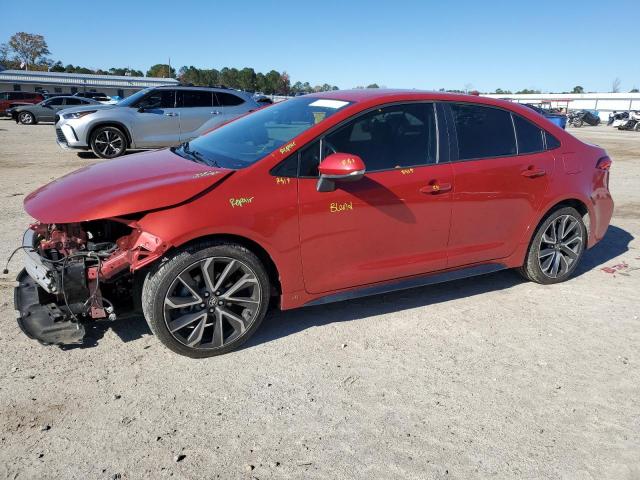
(108,142)
(556,248)
(27,118)
(206,299)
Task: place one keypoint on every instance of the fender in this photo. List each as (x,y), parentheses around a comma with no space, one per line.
(113,123)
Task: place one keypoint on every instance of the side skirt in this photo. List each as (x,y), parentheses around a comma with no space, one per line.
(412,282)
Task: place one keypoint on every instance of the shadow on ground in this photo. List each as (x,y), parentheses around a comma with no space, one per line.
(281,324)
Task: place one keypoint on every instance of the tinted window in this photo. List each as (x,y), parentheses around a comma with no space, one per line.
(252,137)
(389,137)
(483,131)
(552,142)
(194,98)
(228,100)
(159,99)
(56,101)
(530,137)
(75,101)
(309,160)
(15,96)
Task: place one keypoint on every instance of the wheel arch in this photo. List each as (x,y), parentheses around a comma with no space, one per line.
(571,201)
(251,245)
(110,123)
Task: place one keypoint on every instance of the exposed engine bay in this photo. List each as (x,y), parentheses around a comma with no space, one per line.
(80,272)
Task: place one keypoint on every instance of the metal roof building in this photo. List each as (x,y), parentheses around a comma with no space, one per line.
(54,82)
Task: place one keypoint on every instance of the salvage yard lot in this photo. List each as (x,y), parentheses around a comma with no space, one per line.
(489,376)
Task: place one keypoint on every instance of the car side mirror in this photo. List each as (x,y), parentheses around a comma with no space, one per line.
(339,167)
(141,108)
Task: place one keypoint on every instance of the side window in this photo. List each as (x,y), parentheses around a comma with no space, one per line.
(55,101)
(530,137)
(389,137)
(15,96)
(228,99)
(552,142)
(194,98)
(74,101)
(4,96)
(159,99)
(309,160)
(483,132)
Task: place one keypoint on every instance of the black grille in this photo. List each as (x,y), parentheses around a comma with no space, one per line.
(60,135)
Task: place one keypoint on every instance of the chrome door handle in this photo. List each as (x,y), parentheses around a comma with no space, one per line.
(215,112)
(171,114)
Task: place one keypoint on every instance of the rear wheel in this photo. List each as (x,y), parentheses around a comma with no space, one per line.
(108,142)
(26,118)
(206,299)
(556,248)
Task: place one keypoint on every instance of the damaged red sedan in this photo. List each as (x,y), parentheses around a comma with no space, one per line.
(321,198)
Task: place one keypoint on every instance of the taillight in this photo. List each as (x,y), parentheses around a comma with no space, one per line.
(604,163)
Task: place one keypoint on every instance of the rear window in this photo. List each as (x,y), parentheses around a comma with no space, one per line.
(483,132)
(228,99)
(530,137)
(194,98)
(552,142)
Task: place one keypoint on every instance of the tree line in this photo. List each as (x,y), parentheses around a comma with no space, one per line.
(30,51)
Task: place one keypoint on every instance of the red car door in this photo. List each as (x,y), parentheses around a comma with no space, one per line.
(392,223)
(500,181)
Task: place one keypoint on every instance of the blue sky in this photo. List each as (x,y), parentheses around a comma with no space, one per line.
(547,45)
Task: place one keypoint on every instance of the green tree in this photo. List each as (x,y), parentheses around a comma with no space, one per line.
(247,79)
(373,85)
(500,91)
(29,48)
(161,70)
(272,82)
(577,89)
(634,90)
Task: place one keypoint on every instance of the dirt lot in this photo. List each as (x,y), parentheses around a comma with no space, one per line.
(484,377)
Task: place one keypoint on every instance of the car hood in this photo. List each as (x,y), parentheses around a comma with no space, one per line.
(130,184)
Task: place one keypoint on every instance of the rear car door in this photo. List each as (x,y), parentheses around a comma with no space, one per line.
(232,105)
(155,121)
(500,181)
(392,223)
(197,108)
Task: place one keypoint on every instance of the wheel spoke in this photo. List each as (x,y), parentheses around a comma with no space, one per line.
(238,323)
(245,280)
(556,265)
(195,337)
(228,270)
(545,253)
(547,263)
(242,301)
(207,270)
(568,252)
(549,235)
(185,320)
(218,334)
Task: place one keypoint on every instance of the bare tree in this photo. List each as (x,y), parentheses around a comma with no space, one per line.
(615,85)
(28,47)
(4,52)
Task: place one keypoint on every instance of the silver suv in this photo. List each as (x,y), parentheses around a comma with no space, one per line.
(152,118)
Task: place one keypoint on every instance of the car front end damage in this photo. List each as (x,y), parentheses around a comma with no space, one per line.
(80,272)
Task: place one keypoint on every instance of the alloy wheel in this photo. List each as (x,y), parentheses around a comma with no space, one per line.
(26,118)
(560,246)
(212,303)
(109,142)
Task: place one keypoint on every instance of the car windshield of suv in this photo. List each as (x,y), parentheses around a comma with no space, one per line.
(250,138)
(127,102)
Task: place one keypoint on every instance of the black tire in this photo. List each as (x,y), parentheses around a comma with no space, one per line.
(27,118)
(108,142)
(537,258)
(167,276)
(578,123)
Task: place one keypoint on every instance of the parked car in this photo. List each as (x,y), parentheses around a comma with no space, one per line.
(46,110)
(151,118)
(557,118)
(12,99)
(98,96)
(317,199)
(578,118)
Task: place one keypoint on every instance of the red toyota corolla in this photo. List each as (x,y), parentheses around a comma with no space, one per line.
(317,199)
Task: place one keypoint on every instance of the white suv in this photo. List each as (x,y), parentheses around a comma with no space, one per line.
(152,118)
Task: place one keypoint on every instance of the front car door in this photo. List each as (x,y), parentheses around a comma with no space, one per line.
(155,120)
(46,111)
(394,222)
(500,181)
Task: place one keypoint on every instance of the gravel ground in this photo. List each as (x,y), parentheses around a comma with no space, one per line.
(484,377)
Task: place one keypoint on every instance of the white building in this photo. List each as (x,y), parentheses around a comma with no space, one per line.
(604,103)
(54,82)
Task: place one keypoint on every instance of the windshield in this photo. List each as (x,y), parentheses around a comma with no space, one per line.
(127,102)
(250,138)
